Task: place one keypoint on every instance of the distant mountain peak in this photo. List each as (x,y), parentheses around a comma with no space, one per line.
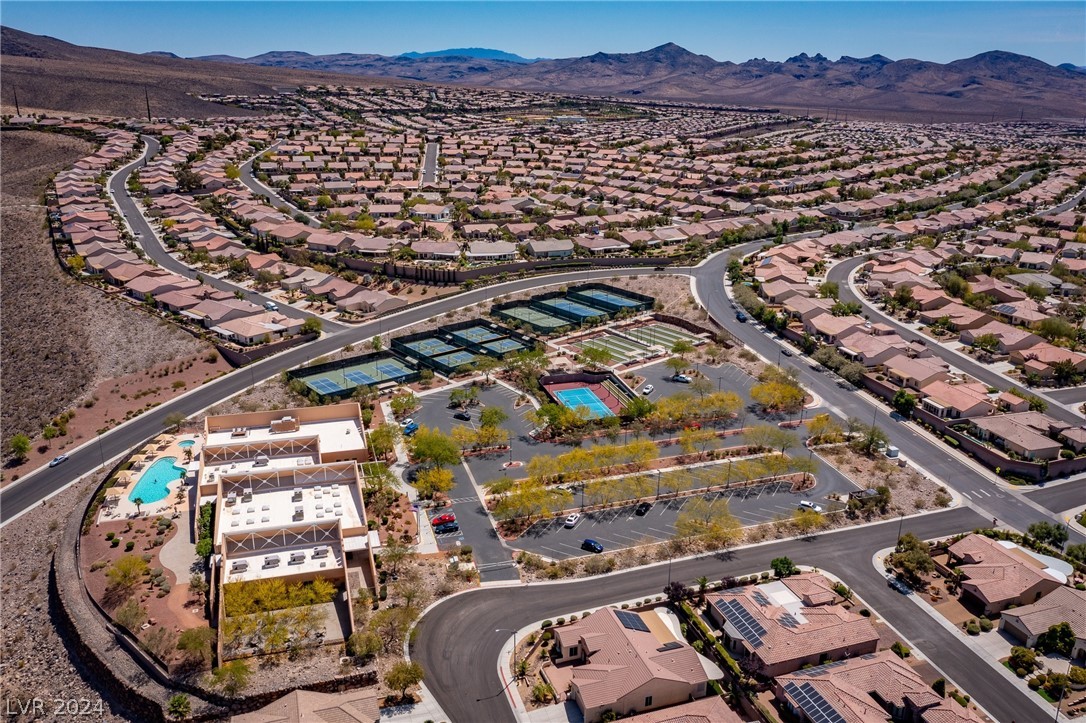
(163,54)
(478,53)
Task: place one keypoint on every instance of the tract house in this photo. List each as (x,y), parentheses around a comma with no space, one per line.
(626,662)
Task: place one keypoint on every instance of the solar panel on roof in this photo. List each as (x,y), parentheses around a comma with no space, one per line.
(749,628)
(631,621)
(760,598)
(669,646)
(817,708)
(818,670)
(788,621)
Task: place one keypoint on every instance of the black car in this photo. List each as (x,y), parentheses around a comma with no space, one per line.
(643,509)
(447,527)
(741,317)
(592,546)
(463,416)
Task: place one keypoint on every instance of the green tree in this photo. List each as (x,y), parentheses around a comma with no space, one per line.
(432,480)
(402,404)
(364,644)
(492,417)
(807,521)
(1058,639)
(126,572)
(682,347)
(1049,533)
(403,675)
(597,356)
(131,615)
(432,447)
(828,290)
(312,325)
(872,439)
(709,519)
(1035,291)
(19,446)
(383,439)
(676,365)
(783,567)
(196,643)
(174,421)
(232,677)
(179,707)
(485,365)
(904,402)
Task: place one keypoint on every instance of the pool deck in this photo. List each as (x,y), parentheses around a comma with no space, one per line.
(117,504)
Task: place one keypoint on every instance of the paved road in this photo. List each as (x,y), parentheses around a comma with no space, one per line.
(1071,395)
(429,164)
(840,273)
(274,198)
(36,486)
(457,644)
(1060,497)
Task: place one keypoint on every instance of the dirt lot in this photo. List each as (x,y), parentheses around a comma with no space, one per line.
(35,657)
(62,340)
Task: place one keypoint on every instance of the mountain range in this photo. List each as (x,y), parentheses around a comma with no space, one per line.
(996,83)
(993,85)
(481,53)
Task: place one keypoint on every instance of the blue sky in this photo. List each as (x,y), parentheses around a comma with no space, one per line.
(941,31)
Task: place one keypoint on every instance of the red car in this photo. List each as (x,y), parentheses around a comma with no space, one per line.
(693,425)
(443,519)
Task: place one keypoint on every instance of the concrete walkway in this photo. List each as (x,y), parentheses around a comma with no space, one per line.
(426,710)
(178,554)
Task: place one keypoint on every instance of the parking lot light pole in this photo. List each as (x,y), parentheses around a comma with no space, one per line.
(900,522)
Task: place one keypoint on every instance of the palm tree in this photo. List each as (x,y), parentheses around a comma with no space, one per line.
(138,501)
(703,584)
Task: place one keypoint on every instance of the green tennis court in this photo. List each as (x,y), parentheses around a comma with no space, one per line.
(662,335)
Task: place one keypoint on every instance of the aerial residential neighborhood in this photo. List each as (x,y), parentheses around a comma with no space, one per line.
(566,382)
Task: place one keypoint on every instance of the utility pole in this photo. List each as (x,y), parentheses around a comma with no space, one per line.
(16,92)
(147,100)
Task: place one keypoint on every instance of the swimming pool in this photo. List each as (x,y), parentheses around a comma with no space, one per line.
(152,485)
(186,443)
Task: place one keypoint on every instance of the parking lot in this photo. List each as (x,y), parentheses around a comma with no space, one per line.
(619,527)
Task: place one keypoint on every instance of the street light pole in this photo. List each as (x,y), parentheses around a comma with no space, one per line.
(1063,692)
(900,522)
(514,632)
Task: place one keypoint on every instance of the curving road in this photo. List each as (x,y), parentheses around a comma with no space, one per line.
(259,189)
(457,644)
(840,273)
(152,245)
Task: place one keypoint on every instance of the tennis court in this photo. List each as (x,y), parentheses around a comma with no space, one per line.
(475,334)
(429,347)
(454,360)
(622,350)
(534,317)
(662,335)
(364,373)
(608,297)
(583,398)
(573,308)
(504,346)
(324,385)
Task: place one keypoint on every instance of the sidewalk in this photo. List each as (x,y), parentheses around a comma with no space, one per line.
(425,710)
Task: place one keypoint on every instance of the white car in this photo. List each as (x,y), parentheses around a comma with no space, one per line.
(271,306)
(810,505)
(407,422)
(573,519)
(648,389)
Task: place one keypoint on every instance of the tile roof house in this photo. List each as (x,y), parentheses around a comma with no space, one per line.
(549,248)
(1062,605)
(771,624)
(627,662)
(997,576)
(956,401)
(705,710)
(868,689)
(831,328)
(1026,434)
(306,706)
(1010,338)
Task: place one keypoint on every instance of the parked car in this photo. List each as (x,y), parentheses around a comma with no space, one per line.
(447,528)
(786,351)
(59,459)
(898,584)
(410,429)
(592,546)
(643,509)
(809,505)
(681,379)
(443,519)
(741,317)
(462,416)
(407,422)
(693,425)
(648,389)
(271,306)
(573,519)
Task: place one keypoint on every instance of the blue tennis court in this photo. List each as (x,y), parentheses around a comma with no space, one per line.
(477,334)
(504,346)
(324,385)
(583,398)
(609,297)
(456,359)
(359,378)
(429,347)
(581,311)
